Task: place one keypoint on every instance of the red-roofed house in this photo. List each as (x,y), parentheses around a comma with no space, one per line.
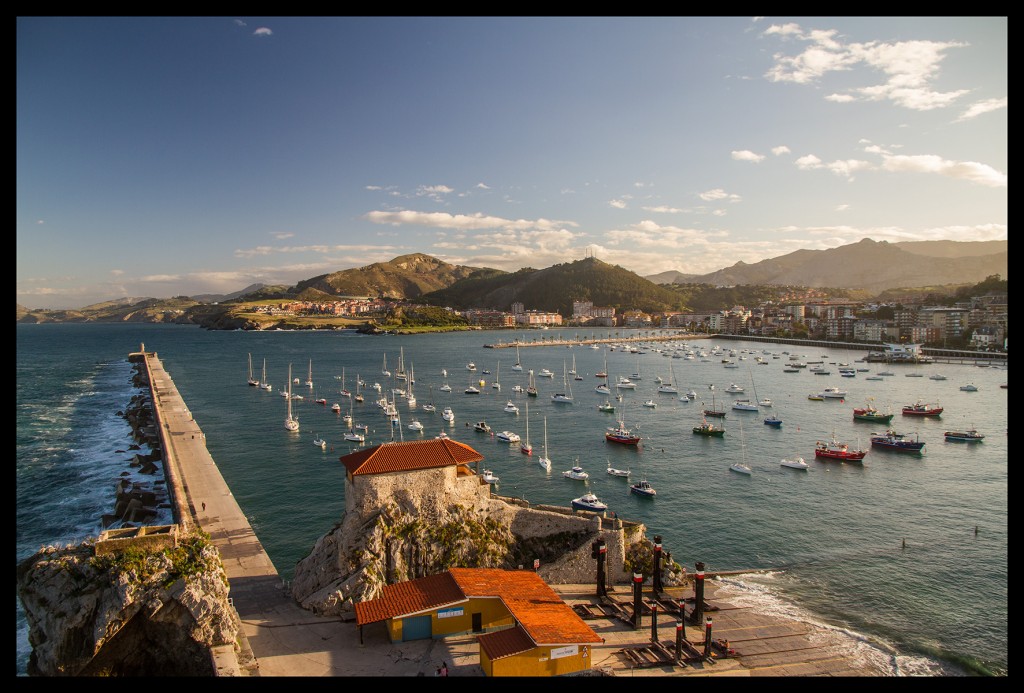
(526,629)
(445,469)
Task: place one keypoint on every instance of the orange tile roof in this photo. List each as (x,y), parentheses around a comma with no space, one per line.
(542,616)
(410,597)
(505,643)
(411,456)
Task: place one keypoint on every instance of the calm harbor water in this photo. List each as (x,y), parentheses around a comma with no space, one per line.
(904,557)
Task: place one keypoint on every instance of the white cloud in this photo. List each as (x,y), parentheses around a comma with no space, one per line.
(790,29)
(986,106)
(282,235)
(747,155)
(842,208)
(483,186)
(458,221)
(908,67)
(808,162)
(780,150)
(664,210)
(434,190)
(617,204)
(718,194)
(263,31)
(117,272)
(930,163)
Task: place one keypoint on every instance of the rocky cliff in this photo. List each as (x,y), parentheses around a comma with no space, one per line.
(133,613)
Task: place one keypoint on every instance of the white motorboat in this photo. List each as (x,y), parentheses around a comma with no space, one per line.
(833,392)
(576,473)
(508,437)
(795,463)
(489,477)
(511,408)
(448,414)
(612,471)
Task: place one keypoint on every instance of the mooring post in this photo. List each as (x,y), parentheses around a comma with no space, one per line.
(638,582)
(707,638)
(656,578)
(654,623)
(680,633)
(698,593)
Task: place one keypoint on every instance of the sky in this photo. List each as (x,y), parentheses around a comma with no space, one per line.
(159,157)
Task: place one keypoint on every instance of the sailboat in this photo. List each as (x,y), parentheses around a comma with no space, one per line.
(290,422)
(359,396)
(742,467)
(446,387)
(400,372)
(603,388)
(669,387)
(544,461)
(252,381)
(319,442)
(759,402)
(410,397)
(429,406)
(344,390)
(531,389)
(573,370)
(497,373)
(518,367)
(384,368)
(525,446)
(309,377)
(714,411)
(263,378)
(566,394)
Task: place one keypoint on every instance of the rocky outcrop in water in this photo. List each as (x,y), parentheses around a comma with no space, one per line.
(129,614)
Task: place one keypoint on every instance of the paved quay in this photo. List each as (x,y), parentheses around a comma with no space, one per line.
(279,638)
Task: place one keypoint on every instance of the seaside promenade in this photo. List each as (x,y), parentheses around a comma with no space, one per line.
(279,638)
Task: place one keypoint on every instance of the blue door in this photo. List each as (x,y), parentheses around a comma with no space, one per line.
(416,628)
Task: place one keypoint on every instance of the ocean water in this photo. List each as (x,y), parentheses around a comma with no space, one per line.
(903,558)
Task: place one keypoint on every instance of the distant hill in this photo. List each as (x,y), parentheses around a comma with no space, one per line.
(874,266)
(406,276)
(672,277)
(221,298)
(555,288)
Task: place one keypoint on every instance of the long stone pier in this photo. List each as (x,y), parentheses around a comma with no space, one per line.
(279,638)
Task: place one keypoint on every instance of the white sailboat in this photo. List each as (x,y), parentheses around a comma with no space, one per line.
(429,406)
(344,390)
(670,385)
(566,394)
(525,446)
(384,368)
(544,461)
(252,381)
(359,383)
(263,378)
(400,372)
(497,373)
(742,467)
(410,397)
(573,370)
(518,367)
(309,377)
(290,422)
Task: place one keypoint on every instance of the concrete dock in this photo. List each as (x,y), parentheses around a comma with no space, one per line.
(281,639)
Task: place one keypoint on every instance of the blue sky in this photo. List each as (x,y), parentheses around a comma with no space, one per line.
(168,156)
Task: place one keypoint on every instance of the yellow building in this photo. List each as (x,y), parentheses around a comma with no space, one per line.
(525,627)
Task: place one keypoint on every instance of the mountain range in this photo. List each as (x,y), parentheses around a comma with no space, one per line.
(872,267)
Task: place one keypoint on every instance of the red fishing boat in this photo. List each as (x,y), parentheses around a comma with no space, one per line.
(919,408)
(621,434)
(834,450)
